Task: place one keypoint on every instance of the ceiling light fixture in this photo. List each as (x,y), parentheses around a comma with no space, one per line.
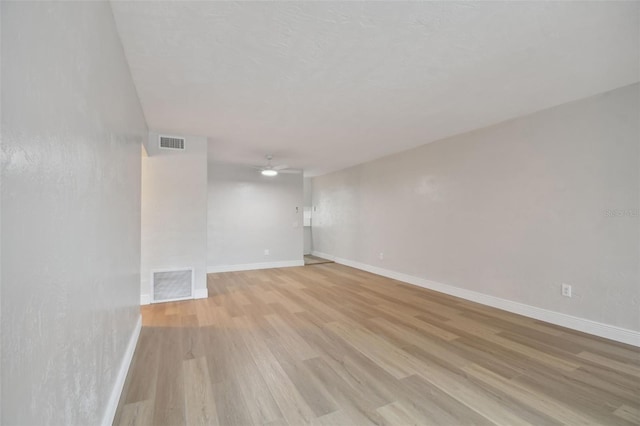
(269,172)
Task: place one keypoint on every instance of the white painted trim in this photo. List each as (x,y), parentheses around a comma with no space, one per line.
(201,293)
(116,392)
(607,331)
(145,299)
(252,266)
(323,255)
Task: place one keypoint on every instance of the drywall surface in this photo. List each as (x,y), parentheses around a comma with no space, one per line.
(71,133)
(307,200)
(174,211)
(339,83)
(250,213)
(1,160)
(307,241)
(512,211)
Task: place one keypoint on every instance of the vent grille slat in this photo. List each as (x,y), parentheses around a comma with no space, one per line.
(172,285)
(169,142)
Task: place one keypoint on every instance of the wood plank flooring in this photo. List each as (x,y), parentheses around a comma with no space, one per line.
(332,345)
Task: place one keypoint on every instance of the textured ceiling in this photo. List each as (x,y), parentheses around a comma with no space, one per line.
(327,85)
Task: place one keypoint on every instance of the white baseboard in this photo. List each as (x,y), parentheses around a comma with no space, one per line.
(145,299)
(325,256)
(200,293)
(252,266)
(116,392)
(611,332)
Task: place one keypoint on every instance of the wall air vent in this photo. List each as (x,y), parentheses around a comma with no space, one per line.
(172,285)
(171,142)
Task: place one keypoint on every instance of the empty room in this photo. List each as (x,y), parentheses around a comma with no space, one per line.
(350,213)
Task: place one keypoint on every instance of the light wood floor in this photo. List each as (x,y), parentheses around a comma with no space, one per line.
(333,345)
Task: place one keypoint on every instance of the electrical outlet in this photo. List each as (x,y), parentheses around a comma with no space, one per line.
(266,252)
(566,290)
(381,256)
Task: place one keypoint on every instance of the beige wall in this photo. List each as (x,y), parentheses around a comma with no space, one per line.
(510,211)
(72,128)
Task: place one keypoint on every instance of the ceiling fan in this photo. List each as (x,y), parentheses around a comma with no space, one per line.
(271,170)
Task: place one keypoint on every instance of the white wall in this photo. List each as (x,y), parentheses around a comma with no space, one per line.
(307,200)
(249,213)
(510,211)
(307,241)
(71,134)
(174,212)
(1,217)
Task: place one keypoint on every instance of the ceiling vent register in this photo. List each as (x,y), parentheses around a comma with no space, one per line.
(171,142)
